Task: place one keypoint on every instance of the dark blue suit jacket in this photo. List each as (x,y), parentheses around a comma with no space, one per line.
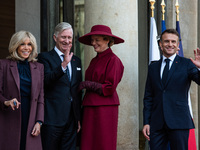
(169,104)
(58,90)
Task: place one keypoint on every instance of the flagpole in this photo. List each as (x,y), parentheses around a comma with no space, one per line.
(152,7)
(177,10)
(163,9)
(154,53)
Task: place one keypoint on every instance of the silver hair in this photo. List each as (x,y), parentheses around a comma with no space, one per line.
(62,26)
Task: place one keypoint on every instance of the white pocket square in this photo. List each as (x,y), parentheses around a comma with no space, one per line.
(77,68)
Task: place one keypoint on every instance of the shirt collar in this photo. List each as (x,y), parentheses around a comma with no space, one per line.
(58,51)
(171,57)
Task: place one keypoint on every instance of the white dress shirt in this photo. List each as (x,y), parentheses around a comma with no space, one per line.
(164,63)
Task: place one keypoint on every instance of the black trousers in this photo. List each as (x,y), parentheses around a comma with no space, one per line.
(59,137)
(177,138)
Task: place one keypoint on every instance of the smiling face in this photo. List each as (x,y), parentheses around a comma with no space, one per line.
(64,40)
(169,44)
(24,50)
(99,43)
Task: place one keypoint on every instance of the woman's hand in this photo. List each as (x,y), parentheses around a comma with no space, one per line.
(79,127)
(36,129)
(13,103)
(91,86)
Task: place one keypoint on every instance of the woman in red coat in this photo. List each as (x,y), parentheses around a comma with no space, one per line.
(21,95)
(100,103)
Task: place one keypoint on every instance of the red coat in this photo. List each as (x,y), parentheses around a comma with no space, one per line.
(10,121)
(99,126)
(106,68)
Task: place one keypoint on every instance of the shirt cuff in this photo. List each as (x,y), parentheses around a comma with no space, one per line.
(64,69)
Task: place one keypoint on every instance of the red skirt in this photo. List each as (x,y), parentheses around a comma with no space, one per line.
(99,128)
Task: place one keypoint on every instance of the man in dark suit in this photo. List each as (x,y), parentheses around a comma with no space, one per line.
(166,112)
(62,71)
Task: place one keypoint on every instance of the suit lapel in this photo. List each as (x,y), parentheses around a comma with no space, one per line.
(15,74)
(159,67)
(156,70)
(74,70)
(55,57)
(34,75)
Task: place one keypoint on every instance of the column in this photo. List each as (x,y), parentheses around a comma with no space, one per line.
(122,18)
(28,17)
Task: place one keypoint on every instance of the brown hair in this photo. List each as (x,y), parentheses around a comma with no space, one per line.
(172,31)
(110,39)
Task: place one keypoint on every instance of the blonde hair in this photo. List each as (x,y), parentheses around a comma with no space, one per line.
(16,40)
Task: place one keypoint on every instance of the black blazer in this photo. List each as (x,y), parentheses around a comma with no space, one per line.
(58,90)
(169,104)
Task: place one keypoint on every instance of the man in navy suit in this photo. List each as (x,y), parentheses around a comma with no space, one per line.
(166,112)
(62,71)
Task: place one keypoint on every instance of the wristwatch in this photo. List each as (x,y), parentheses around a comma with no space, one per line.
(39,122)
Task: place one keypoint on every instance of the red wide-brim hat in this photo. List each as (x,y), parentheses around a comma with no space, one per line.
(99,30)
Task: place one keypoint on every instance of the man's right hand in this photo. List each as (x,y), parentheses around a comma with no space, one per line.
(67,57)
(146,131)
